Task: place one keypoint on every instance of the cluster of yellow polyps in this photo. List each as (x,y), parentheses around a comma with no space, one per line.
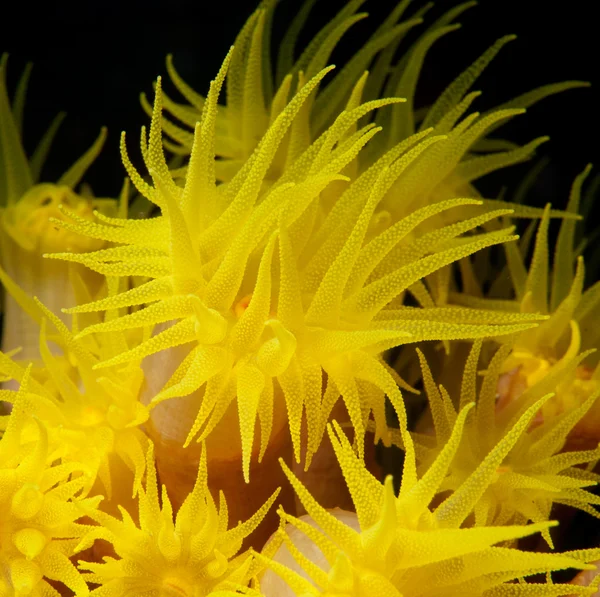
(313,222)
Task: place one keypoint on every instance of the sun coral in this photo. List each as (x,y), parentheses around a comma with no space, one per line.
(463,153)
(514,453)
(211,272)
(402,545)
(568,338)
(90,418)
(255,97)
(307,226)
(26,208)
(191,554)
(38,509)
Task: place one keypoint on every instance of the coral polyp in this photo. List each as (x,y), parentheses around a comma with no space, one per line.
(27,205)
(518,453)
(89,420)
(39,514)
(327,310)
(193,554)
(559,355)
(401,545)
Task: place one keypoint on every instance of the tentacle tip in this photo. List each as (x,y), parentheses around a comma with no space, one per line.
(102,365)
(275,494)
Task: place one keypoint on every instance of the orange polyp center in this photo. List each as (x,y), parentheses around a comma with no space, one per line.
(527,369)
(533,368)
(242,305)
(173,586)
(91,416)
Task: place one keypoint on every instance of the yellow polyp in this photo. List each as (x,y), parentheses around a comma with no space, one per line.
(514,444)
(31,221)
(523,369)
(528,370)
(282,318)
(90,418)
(531,367)
(193,551)
(38,513)
(400,545)
(553,284)
(178,453)
(29,212)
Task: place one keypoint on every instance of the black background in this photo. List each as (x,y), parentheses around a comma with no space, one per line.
(94,58)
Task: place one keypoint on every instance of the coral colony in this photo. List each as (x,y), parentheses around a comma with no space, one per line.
(191,400)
